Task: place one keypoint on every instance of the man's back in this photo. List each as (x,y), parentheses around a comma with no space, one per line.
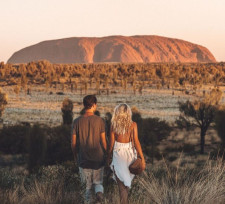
(88,130)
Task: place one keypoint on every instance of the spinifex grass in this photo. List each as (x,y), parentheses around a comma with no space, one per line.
(186,186)
(161,185)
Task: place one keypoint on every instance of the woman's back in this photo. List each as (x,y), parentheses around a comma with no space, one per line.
(125,138)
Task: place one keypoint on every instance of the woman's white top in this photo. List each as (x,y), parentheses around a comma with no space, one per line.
(123,156)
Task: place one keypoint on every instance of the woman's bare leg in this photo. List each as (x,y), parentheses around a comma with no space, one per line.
(123,190)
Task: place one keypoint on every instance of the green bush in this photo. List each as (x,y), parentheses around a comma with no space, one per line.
(14,139)
(9,179)
(153,131)
(45,145)
(59,145)
(67,111)
(37,147)
(220,125)
(136,117)
(107,119)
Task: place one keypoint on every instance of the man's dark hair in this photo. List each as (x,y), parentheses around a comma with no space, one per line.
(89,101)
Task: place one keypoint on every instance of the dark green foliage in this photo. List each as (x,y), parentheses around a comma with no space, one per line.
(150,132)
(14,139)
(82,112)
(108,117)
(153,131)
(67,111)
(37,147)
(8,178)
(59,145)
(187,148)
(45,145)
(136,117)
(220,125)
(97,113)
(66,173)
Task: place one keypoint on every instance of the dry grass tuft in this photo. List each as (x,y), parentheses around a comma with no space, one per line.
(187,186)
(164,185)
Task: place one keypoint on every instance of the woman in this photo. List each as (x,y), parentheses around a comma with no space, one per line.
(123,131)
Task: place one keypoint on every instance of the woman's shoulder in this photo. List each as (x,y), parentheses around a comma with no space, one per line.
(134,124)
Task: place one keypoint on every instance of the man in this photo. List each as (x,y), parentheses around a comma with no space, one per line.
(88,132)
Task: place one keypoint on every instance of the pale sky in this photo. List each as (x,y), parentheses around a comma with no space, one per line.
(27,22)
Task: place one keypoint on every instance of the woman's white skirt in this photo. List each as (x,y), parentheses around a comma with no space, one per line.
(123,156)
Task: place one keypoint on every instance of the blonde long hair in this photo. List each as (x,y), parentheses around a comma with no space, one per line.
(121,119)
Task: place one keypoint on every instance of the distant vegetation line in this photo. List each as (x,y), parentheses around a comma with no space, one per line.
(106,75)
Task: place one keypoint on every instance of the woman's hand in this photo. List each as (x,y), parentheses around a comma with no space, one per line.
(75,157)
(143,165)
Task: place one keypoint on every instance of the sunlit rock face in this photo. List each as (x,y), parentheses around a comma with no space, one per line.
(114,49)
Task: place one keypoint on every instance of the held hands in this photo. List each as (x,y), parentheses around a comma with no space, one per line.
(75,157)
(109,160)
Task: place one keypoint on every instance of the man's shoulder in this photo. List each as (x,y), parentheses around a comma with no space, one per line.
(97,118)
(77,119)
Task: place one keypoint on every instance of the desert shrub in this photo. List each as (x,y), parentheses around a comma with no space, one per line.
(9,179)
(82,112)
(136,117)
(37,147)
(220,127)
(49,185)
(97,113)
(108,117)
(14,139)
(3,101)
(67,111)
(59,145)
(151,131)
(45,145)
(154,130)
(68,175)
(187,148)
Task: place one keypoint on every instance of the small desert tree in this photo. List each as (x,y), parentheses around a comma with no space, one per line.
(199,113)
(23,82)
(3,102)
(67,111)
(17,90)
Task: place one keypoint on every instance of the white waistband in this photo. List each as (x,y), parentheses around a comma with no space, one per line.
(124,145)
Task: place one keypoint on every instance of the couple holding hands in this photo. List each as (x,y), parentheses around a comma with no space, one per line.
(89,147)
